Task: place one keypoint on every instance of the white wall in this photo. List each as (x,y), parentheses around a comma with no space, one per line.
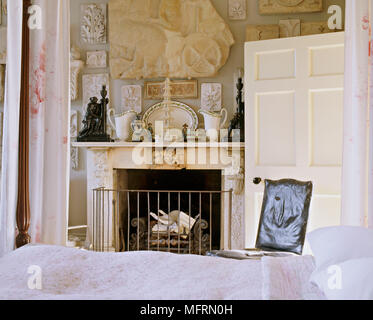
(236,59)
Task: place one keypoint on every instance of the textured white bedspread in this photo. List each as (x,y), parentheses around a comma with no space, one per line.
(77,274)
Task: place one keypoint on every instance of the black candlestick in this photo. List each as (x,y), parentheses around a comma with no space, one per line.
(238,121)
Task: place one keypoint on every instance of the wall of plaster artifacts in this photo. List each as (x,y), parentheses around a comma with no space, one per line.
(91,61)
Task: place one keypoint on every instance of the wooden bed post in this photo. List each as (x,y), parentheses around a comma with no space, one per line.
(23,201)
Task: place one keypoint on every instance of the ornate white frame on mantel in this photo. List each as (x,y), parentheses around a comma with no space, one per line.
(104,158)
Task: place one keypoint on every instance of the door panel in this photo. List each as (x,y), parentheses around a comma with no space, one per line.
(294,121)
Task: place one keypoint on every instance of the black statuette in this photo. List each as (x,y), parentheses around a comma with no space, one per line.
(95,121)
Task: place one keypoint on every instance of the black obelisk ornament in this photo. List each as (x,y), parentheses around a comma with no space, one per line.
(238,121)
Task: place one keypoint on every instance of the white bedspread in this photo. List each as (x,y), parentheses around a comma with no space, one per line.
(288,279)
(77,274)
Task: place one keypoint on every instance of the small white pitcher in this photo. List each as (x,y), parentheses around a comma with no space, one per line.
(214,121)
(122,126)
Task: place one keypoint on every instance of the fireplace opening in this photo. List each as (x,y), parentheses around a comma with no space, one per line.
(169,210)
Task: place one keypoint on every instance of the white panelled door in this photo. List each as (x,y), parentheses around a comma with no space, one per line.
(294,121)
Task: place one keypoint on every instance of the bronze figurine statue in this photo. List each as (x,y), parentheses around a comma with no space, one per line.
(95,121)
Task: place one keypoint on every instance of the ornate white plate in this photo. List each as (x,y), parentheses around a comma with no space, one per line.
(179,112)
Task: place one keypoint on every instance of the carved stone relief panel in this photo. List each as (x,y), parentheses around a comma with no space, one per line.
(132,98)
(101,174)
(74,152)
(310,28)
(93,23)
(236,182)
(262,32)
(74,124)
(169,38)
(3,37)
(76,65)
(180,89)
(96,59)
(211,96)
(74,158)
(289,6)
(92,86)
(2,76)
(237,9)
(289,28)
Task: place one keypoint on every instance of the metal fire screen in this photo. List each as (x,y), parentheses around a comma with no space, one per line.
(183,222)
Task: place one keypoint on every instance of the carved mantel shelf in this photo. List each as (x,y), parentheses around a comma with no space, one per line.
(108,145)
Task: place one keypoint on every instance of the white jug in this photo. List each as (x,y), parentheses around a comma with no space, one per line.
(214,121)
(122,126)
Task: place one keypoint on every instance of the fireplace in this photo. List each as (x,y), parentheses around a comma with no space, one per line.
(169,210)
(112,172)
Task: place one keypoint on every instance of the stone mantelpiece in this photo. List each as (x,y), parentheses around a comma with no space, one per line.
(104,158)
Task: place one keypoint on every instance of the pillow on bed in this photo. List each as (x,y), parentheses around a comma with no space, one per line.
(349,280)
(334,245)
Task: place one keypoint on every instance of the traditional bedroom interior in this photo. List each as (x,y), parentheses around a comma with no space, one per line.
(197,149)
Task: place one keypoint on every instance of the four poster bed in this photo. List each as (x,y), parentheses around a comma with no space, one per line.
(68,273)
(55,272)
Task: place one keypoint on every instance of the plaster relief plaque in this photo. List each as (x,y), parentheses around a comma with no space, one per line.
(76,65)
(168,38)
(289,6)
(262,32)
(2,74)
(96,59)
(132,98)
(211,96)
(93,23)
(310,28)
(92,86)
(237,9)
(289,28)
(74,158)
(74,152)
(74,124)
(180,89)
(3,37)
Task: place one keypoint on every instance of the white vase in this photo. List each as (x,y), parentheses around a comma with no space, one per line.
(214,121)
(122,123)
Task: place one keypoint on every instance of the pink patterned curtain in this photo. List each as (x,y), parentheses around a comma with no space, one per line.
(49,123)
(357,174)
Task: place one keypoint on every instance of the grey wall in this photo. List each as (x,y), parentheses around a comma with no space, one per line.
(236,59)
